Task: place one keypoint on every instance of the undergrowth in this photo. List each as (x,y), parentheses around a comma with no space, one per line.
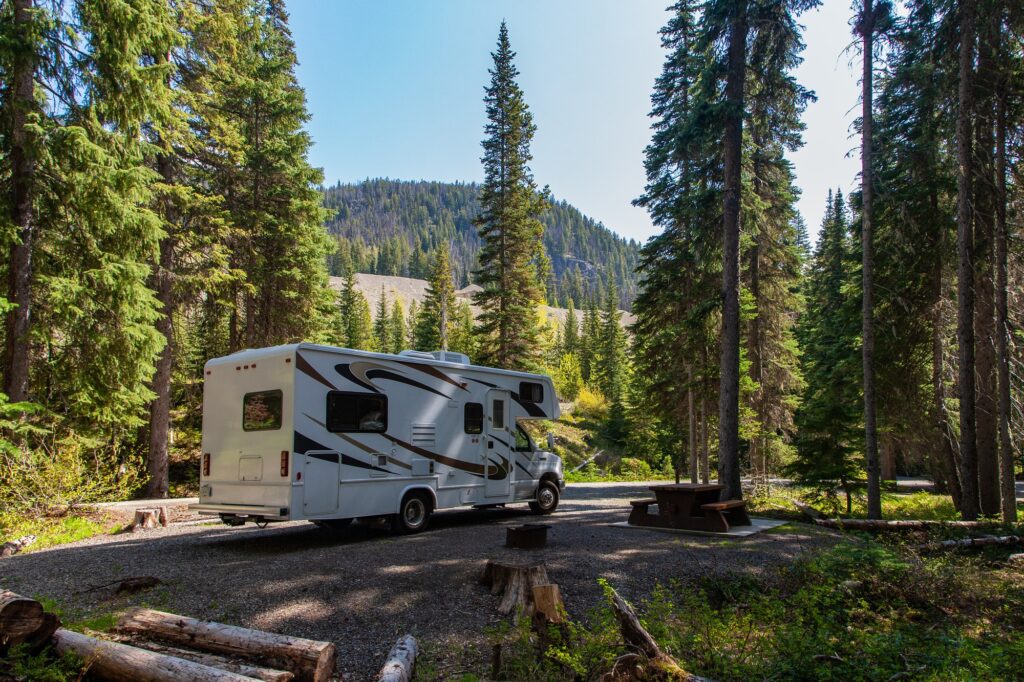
(862,610)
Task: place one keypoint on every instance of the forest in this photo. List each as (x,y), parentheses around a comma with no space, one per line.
(394,228)
(158,208)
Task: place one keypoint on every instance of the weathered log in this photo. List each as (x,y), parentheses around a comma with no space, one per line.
(41,637)
(19,617)
(401,661)
(212,660)
(808,511)
(150,518)
(635,635)
(515,582)
(879,525)
(984,541)
(14,546)
(123,663)
(311,661)
(548,605)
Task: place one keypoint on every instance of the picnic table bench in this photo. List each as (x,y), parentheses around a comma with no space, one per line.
(689,506)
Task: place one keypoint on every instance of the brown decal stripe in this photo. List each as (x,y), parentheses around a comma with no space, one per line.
(475,469)
(308,370)
(352,441)
(434,372)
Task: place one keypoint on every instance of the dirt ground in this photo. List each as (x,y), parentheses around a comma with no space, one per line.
(363,587)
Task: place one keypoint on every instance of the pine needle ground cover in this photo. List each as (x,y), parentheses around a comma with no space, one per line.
(861,610)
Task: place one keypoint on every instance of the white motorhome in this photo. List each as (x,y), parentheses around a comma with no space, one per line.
(328,435)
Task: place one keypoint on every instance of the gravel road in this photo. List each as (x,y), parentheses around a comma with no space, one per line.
(362,587)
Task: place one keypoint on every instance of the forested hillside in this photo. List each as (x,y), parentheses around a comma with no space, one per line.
(393,227)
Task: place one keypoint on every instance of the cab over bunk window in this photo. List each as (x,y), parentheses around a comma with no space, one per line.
(531,392)
(261,411)
(356,412)
(474,418)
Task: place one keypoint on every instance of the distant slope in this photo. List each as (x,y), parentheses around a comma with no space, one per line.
(392,227)
(407,290)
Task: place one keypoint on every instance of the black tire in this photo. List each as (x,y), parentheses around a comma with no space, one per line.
(547,498)
(414,514)
(333,524)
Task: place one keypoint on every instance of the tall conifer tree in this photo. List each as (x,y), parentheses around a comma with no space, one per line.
(512,261)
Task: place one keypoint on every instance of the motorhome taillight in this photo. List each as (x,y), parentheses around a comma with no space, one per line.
(206,464)
(284,462)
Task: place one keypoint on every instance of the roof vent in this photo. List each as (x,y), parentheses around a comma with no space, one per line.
(449,356)
(423,355)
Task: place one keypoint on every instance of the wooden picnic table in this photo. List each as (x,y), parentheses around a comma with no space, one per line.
(689,506)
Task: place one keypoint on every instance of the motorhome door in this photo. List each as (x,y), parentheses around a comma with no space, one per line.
(498,445)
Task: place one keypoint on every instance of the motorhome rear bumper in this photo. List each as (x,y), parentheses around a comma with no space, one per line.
(252,510)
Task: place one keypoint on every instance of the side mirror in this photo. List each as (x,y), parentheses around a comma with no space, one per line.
(551,442)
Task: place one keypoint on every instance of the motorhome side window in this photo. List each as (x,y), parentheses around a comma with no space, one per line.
(261,411)
(356,412)
(531,392)
(522,440)
(474,418)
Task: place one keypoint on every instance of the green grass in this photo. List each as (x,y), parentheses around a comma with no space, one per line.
(52,531)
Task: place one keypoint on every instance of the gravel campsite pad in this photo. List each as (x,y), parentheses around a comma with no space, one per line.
(363,587)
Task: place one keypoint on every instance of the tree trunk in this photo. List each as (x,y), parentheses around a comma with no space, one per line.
(310,660)
(944,445)
(1007,486)
(757,443)
(123,663)
(160,408)
(548,605)
(728,426)
(984,287)
(705,467)
(986,541)
(965,268)
(21,181)
(867,244)
(691,431)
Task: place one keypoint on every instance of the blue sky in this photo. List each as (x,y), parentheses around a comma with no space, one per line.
(395,89)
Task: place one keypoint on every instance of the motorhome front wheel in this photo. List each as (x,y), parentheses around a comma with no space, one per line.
(547,498)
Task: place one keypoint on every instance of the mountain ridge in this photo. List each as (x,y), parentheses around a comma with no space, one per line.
(393,227)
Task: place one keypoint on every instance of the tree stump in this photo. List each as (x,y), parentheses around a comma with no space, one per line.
(548,605)
(515,582)
(149,518)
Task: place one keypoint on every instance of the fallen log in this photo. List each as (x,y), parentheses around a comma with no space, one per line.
(123,663)
(401,661)
(649,653)
(20,617)
(515,582)
(14,546)
(311,661)
(984,541)
(213,660)
(879,525)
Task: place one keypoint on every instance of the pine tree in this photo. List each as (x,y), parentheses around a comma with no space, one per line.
(271,191)
(571,333)
(828,418)
(611,356)
(512,260)
(382,324)
(397,332)
(76,157)
(433,328)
